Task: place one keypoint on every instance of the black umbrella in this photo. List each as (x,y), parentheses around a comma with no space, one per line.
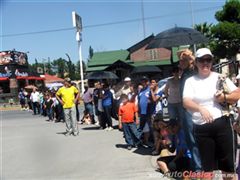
(146,69)
(176,37)
(101,75)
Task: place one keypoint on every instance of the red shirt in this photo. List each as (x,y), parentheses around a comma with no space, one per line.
(126,111)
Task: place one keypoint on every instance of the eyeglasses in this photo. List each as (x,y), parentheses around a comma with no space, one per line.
(205,60)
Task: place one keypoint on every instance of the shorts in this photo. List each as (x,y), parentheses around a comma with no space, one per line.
(216,145)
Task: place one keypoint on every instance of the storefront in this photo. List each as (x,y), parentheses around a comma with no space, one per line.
(15,74)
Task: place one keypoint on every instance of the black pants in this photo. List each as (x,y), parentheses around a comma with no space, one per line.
(216,145)
(107,114)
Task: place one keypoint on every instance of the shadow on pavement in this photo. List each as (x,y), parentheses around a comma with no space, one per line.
(123,146)
(62,133)
(90,128)
(143,151)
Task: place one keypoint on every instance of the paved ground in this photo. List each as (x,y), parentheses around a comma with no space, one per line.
(33,148)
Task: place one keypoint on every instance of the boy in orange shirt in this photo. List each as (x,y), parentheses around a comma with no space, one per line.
(127,111)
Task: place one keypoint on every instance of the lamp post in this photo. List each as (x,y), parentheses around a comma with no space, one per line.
(77,23)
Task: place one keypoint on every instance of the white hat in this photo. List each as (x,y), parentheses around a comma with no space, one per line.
(127,79)
(202,52)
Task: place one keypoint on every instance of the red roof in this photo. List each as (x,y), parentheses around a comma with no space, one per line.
(49,78)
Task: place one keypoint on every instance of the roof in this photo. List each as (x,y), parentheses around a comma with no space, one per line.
(50,78)
(141,44)
(120,64)
(107,57)
(96,68)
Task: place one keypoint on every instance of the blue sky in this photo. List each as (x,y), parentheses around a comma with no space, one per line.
(29,16)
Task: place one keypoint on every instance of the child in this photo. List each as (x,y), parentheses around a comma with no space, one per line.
(49,106)
(127,112)
(86,118)
(181,161)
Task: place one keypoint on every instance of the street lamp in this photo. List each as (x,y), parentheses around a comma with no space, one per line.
(77,23)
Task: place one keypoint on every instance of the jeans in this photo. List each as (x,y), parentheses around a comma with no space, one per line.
(70,119)
(187,126)
(107,114)
(131,133)
(35,108)
(50,113)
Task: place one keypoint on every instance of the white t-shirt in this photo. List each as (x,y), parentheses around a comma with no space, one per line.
(35,97)
(202,92)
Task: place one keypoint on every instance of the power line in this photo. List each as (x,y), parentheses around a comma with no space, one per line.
(110,23)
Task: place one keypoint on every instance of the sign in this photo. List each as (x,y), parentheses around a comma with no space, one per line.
(77,21)
(13,57)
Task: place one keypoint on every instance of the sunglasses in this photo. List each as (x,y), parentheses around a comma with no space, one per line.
(205,60)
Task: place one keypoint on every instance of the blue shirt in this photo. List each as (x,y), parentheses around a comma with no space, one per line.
(143,98)
(107,98)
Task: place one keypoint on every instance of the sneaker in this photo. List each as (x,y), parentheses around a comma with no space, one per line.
(110,128)
(68,133)
(129,147)
(155,153)
(96,124)
(75,133)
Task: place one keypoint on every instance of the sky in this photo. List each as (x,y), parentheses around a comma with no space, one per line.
(44,29)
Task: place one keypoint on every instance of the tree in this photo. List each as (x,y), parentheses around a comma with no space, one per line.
(90,53)
(227,31)
(205,29)
(60,65)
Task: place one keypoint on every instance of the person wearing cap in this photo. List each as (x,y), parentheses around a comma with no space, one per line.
(186,64)
(212,129)
(66,96)
(125,89)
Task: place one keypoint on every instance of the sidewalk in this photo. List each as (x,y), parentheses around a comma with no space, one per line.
(8,107)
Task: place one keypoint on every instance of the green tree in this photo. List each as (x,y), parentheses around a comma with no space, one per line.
(227,31)
(60,66)
(90,53)
(205,29)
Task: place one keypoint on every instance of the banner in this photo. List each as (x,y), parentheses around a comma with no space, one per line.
(13,57)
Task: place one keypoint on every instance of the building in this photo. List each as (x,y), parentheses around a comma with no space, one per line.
(15,74)
(122,62)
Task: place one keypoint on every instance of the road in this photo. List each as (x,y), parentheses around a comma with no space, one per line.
(32,148)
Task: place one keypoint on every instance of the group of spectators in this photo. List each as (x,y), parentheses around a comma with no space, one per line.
(200,130)
(41,103)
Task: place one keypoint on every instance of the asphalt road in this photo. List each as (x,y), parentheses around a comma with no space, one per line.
(32,148)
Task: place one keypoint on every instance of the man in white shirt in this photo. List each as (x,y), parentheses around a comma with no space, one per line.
(35,99)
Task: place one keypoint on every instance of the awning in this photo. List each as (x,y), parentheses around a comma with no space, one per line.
(21,77)
(4,78)
(35,78)
(30,77)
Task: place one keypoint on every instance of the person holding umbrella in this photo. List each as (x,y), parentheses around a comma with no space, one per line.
(186,63)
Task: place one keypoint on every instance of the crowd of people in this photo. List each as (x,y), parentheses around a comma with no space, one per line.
(200,132)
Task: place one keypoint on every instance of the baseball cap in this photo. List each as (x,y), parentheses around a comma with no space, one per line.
(67,80)
(202,52)
(144,78)
(127,79)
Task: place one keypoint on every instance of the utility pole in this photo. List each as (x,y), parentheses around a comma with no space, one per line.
(194,45)
(77,23)
(143,20)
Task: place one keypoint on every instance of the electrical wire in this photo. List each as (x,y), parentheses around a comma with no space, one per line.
(110,23)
